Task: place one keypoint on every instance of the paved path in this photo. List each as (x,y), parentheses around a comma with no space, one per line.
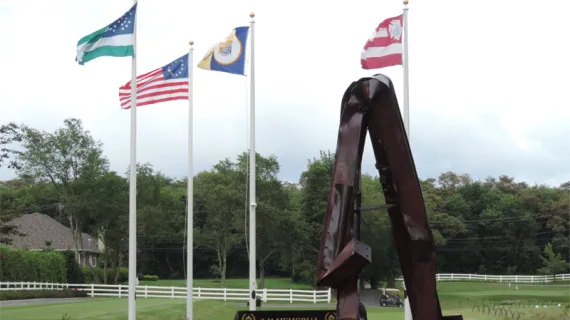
(27,302)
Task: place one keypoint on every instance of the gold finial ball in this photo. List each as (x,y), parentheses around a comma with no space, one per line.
(252,15)
(191,42)
(406,2)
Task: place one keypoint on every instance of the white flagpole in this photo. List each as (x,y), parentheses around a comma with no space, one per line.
(132,314)
(406,73)
(407,309)
(252,175)
(190,195)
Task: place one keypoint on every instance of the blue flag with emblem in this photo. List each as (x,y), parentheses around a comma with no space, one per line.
(228,55)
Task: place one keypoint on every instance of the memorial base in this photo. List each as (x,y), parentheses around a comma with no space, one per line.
(286,315)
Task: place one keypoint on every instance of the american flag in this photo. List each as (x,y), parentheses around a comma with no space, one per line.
(163,84)
(384,47)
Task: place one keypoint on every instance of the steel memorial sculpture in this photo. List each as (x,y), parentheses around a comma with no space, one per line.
(370,105)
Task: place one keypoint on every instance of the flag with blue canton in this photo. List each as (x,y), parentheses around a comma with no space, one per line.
(159,85)
(115,40)
(228,55)
(177,69)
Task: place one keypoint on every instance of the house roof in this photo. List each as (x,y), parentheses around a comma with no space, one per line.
(39,228)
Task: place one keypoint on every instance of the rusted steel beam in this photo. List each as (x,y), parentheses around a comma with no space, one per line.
(370,104)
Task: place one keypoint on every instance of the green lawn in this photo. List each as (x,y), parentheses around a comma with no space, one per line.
(271,283)
(496,292)
(456,298)
(165,309)
(116,309)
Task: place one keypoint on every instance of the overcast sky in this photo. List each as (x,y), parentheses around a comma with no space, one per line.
(488,80)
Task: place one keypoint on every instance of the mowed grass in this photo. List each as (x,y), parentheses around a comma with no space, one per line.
(525,313)
(270,283)
(472,300)
(453,292)
(116,309)
(456,298)
(165,309)
(150,309)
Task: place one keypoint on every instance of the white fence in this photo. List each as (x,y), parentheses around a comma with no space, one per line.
(499,278)
(225,294)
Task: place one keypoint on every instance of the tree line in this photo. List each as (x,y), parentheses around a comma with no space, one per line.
(492,226)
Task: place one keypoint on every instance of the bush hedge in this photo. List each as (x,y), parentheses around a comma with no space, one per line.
(38,266)
(111,272)
(74,273)
(148,277)
(41,294)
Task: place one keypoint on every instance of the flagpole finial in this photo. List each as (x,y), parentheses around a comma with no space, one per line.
(191,43)
(252,15)
(405,2)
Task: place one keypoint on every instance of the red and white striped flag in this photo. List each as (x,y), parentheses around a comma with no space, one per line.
(162,84)
(384,47)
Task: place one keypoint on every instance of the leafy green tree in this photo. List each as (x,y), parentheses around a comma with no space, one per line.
(70,159)
(495,225)
(222,196)
(109,219)
(273,207)
(9,133)
(8,212)
(161,223)
(376,231)
(552,263)
(315,182)
(557,209)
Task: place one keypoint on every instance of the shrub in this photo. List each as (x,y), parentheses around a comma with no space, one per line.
(74,273)
(41,294)
(33,266)
(111,272)
(148,277)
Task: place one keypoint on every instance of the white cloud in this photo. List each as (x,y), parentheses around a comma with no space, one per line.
(487,79)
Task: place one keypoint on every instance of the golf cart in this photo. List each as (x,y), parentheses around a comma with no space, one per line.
(391,297)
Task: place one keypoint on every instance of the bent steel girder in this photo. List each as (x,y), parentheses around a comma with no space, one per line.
(371,104)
